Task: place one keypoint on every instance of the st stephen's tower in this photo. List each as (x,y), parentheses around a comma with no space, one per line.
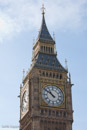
(46,96)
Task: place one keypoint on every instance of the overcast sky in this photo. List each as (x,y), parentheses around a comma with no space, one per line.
(20,21)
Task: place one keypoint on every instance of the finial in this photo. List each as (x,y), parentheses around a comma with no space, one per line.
(69,77)
(43,9)
(23,73)
(66,66)
(33,41)
(53,36)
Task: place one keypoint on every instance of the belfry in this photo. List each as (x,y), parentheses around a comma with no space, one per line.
(46,95)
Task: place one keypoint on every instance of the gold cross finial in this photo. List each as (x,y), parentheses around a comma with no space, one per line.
(43,9)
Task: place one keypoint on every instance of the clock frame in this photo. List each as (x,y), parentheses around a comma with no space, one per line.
(24,90)
(43,104)
(25,101)
(52,95)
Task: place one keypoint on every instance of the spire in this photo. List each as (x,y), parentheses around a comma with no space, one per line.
(44,35)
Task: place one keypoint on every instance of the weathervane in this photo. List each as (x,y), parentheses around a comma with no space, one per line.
(43,9)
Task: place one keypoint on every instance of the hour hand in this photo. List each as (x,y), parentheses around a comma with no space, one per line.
(50,93)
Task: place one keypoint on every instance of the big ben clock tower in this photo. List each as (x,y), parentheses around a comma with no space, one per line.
(46,96)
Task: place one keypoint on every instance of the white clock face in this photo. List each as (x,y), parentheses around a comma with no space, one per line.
(52,95)
(25,101)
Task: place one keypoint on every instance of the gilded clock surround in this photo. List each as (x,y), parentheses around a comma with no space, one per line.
(42,102)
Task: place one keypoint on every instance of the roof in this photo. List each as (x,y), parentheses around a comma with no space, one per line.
(47,61)
(44,35)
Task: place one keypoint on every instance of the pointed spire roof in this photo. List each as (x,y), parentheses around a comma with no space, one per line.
(44,35)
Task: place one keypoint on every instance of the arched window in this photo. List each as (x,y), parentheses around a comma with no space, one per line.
(42,112)
(60,76)
(47,49)
(44,48)
(53,75)
(64,114)
(50,75)
(47,74)
(57,76)
(41,48)
(60,113)
(43,74)
(49,112)
(51,49)
(57,113)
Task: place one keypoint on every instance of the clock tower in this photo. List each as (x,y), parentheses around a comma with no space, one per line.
(46,96)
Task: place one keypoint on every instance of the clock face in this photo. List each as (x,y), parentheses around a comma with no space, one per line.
(25,101)
(52,95)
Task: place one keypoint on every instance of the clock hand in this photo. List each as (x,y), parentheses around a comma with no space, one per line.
(50,93)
